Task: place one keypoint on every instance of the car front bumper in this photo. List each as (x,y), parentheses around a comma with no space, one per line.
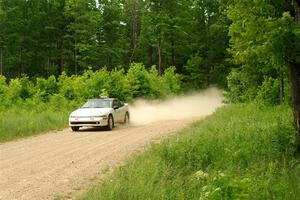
(88,121)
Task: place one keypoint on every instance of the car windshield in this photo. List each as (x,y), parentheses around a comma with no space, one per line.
(98,103)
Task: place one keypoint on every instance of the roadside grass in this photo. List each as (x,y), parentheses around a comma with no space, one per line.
(21,123)
(240,152)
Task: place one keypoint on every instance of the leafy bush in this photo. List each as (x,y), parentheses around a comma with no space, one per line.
(46,87)
(236,87)
(198,72)
(118,85)
(171,82)
(140,82)
(269,91)
(30,99)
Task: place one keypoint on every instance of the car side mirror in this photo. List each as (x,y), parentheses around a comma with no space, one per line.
(116,107)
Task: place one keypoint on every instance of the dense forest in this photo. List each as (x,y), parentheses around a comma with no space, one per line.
(250,48)
(47,37)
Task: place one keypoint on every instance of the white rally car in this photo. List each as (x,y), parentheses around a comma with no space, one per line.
(104,112)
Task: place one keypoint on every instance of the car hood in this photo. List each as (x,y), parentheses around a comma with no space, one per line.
(86,112)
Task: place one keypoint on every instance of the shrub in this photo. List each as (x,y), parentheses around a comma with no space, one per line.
(236,87)
(269,92)
(46,87)
(26,98)
(198,72)
(118,85)
(171,82)
(139,80)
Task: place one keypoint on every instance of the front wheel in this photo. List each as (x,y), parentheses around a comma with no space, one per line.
(110,123)
(75,128)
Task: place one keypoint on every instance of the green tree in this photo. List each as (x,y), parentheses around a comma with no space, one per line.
(294,70)
(265,44)
(206,64)
(85,19)
(1,39)
(113,44)
(133,11)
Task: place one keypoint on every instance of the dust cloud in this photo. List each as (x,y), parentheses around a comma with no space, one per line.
(191,106)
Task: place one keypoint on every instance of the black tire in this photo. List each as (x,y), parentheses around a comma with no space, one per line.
(126,118)
(110,123)
(75,128)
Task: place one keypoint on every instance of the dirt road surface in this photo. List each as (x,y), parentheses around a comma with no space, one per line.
(59,165)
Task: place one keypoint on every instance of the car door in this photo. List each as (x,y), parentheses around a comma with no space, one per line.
(118,111)
(122,112)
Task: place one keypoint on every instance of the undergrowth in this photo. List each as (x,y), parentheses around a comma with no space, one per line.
(31,106)
(240,152)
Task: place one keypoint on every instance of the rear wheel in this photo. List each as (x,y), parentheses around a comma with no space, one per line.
(75,128)
(110,123)
(126,118)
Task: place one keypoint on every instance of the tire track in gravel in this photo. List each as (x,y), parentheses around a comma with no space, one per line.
(59,164)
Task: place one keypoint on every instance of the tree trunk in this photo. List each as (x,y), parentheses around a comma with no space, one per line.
(159,53)
(294,73)
(296,4)
(173,52)
(134,32)
(133,44)
(21,63)
(75,56)
(281,90)
(61,57)
(150,53)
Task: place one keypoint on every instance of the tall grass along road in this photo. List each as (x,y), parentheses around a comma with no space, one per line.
(60,164)
(240,152)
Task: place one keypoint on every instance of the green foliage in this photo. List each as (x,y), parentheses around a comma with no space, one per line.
(262,42)
(139,81)
(41,99)
(41,38)
(118,85)
(269,92)
(207,64)
(239,87)
(3,88)
(170,82)
(198,72)
(23,123)
(150,85)
(46,87)
(241,152)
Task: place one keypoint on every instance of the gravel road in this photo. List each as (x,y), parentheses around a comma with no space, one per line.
(62,164)
(59,165)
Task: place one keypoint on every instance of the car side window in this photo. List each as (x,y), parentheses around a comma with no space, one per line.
(115,104)
(121,104)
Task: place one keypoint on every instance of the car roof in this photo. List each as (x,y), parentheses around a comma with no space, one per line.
(106,98)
